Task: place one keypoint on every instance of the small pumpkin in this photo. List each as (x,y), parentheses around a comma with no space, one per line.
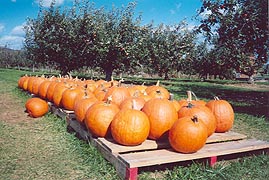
(36,107)
(188,135)
(223,112)
(130,127)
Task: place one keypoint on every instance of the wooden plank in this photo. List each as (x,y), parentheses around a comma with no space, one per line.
(152,144)
(163,156)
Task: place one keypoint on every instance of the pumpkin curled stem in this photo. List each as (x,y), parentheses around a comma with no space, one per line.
(216,98)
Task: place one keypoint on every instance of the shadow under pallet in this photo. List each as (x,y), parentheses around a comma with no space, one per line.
(128,160)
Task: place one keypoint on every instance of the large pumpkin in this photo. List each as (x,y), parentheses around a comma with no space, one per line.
(203,113)
(130,127)
(188,135)
(162,115)
(99,116)
(223,112)
(36,107)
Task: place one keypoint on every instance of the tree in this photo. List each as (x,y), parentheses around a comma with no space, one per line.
(238,30)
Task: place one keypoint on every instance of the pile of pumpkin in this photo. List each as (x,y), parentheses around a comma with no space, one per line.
(131,113)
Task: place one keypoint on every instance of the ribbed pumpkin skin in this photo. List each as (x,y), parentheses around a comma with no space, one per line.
(162,115)
(81,107)
(58,93)
(36,84)
(36,107)
(118,94)
(133,103)
(99,116)
(224,114)
(43,88)
(187,136)
(69,97)
(50,90)
(203,113)
(130,127)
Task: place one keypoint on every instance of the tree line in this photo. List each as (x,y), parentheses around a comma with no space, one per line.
(234,33)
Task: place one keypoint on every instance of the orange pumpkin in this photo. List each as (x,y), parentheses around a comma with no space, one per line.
(130,127)
(223,112)
(196,101)
(50,90)
(133,103)
(36,107)
(118,94)
(203,113)
(162,115)
(69,97)
(99,116)
(58,92)
(81,107)
(156,91)
(188,134)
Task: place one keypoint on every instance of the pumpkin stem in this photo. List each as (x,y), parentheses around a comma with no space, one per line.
(171,97)
(194,95)
(189,95)
(216,98)
(158,83)
(134,105)
(109,99)
(190,105)
(194,119)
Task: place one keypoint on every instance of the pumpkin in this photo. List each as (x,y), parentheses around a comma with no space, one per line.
(36,84)
(133,103)
(130,127)
(81,107)
(223,112)
(36,107)
(188,135)
(50,90)
(118,94)
(69,97)
(43,88)
(196,101)
(99,116)
(162,115)
(203,113)
(157,91)
(58,92)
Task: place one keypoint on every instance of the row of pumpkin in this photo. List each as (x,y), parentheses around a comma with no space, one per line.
(131,113)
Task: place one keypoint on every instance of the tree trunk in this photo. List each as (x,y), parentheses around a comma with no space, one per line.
(108,72)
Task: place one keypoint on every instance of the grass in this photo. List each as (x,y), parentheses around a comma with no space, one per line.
(43,149)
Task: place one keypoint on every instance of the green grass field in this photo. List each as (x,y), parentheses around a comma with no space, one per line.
(43,149)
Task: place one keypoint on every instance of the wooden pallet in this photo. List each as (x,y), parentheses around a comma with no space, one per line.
(127,160)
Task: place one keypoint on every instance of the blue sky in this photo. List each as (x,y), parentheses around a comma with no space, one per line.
(14,14)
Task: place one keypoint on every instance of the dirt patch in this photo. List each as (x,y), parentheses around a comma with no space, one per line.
(11,111)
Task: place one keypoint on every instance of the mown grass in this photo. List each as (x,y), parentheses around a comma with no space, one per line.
(43,149)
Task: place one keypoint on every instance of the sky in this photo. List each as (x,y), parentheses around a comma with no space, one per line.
(14,14)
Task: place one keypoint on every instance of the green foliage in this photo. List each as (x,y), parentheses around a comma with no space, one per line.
(113,40)
(238,33)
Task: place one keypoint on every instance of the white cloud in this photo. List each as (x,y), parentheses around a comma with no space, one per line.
(18,31)
(47,3)
(2,27)
(206,13)
(12,42)
(13,0)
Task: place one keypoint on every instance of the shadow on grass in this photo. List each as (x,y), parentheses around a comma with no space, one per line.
(243,101)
